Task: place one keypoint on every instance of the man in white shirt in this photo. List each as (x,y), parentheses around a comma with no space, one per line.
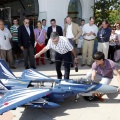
(90,31)
(72,31)
(5,45)
(63,50)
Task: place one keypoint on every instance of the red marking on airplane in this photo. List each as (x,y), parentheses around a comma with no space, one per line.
(6,103)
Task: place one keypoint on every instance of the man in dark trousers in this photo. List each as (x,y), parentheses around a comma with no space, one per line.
(53,28)
(63,49)
(26,41)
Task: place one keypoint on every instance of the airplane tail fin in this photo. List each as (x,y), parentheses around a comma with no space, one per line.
(5,72)
(2,86)
(34,75)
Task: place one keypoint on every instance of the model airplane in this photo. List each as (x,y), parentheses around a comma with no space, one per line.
(36,90)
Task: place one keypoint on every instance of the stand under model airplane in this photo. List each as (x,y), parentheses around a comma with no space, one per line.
(36,90)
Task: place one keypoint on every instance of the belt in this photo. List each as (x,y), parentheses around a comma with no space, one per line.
(102,41)
(89,39)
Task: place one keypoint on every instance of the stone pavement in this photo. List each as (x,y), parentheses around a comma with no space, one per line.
(69,110)
(7,116)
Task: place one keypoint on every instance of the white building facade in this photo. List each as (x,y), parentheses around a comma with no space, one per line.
(59,9)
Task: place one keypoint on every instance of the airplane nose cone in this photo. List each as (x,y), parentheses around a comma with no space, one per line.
(107,89)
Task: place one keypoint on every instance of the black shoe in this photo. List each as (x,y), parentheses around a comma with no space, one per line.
(52,62)
(34,67)
(27,67)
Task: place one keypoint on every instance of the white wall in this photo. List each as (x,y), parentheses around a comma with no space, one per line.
(87,11)
(58,10)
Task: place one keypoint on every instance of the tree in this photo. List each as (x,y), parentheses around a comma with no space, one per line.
(107,9)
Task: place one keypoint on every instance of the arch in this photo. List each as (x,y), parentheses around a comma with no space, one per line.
(75,10)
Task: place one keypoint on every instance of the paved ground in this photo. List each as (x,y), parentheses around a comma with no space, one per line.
(69,110)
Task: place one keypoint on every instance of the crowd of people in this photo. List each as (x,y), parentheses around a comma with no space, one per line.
(94,42)
(89,38)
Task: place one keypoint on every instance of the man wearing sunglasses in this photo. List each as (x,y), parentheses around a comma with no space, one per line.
(5,45)
(26,41)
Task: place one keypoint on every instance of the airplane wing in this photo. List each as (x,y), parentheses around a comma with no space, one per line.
(13,99)
(5,71)
(35,76)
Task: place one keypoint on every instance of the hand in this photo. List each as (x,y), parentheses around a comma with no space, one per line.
(76,60)
(88,34)
(91,33)
(37,55)
(22,48)
(119,89)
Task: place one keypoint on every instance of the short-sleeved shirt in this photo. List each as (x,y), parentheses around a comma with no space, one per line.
(5,35)
(63,46)
(14,30)
(106,70)
(87,29)
(39,34)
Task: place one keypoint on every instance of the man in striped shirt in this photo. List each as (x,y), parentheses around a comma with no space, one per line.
(63,50)
(14,32)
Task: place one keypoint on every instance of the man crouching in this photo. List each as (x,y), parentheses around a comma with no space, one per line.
(103,69)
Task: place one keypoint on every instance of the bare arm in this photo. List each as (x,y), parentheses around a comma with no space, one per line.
(118,78)
(41,52)
(86,34)
(44,36)
(35,36)
(75,55)
(93,75)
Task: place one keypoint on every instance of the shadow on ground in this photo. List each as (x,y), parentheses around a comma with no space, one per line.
(52,114)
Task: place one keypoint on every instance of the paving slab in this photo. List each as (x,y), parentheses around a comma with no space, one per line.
(7,116)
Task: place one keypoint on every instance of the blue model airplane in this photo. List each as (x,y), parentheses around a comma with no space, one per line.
(36,90)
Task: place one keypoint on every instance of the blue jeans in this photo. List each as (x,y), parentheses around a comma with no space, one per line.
(95,47)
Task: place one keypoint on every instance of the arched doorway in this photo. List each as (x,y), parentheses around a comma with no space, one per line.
(75,10)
